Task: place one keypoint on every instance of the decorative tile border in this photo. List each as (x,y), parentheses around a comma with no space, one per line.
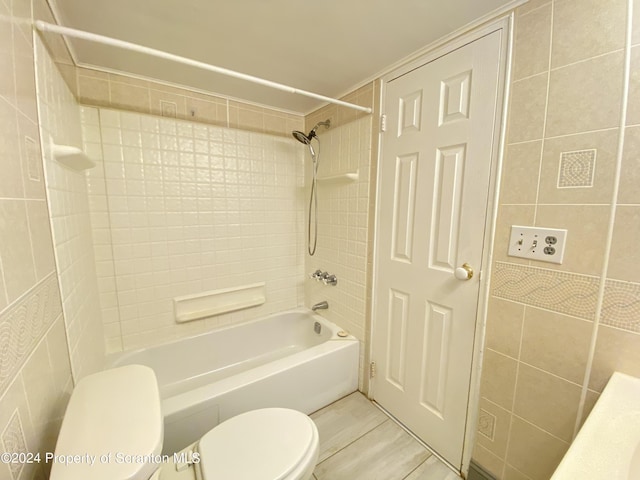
(23,324)
(621,305)
(561,292)
(13,442)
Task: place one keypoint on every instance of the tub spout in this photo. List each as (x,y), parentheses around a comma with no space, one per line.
(320,306)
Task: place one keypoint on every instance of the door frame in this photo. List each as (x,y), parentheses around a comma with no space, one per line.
(504,24)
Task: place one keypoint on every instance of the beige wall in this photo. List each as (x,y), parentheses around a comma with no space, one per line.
(35,378)
(566,96)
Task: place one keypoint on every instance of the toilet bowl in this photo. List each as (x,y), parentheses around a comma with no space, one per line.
(113,429)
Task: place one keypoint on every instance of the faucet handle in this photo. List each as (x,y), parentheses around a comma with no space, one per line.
(317,275)
(330,280)
(326,277)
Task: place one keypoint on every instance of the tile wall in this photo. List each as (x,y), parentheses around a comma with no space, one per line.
(125,320)
(178,208)
(363,96)
(127,93)
(343,207)
(35,373)
(347,314)
(70,223)
(560,170)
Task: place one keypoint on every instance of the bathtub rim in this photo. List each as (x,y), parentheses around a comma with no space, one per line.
(112,359)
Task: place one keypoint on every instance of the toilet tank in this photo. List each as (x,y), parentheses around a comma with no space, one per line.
(112,429)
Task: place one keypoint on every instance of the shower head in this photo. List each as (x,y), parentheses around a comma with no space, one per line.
(301,137)
(306,139)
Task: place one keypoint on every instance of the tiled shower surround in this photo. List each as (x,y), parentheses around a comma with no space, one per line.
(70,223)
(181,208)
(342,226)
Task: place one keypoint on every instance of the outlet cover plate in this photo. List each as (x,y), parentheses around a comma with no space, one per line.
(537,243)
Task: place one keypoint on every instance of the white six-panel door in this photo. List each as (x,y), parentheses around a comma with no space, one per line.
(432,206)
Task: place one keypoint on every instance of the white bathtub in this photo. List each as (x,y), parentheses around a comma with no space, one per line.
(277,361)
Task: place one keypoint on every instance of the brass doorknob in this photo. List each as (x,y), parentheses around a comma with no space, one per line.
(465,272)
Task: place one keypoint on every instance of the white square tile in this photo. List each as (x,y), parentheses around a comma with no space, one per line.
(109,118)
(112,136)
(89,115)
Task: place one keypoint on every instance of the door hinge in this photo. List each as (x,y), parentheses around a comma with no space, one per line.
(372,369)
(383,122)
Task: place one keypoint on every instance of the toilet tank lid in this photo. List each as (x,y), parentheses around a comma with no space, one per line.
(113,427)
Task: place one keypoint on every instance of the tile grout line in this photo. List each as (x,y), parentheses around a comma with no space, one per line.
(513,402)
(541,429)
(418,466)
(545,309)
(535,9)
(23,154)
(612,216)
(527,477)
(565,135)
(546,111)
(108,227)
(415,437)
(584,60)
(353,441)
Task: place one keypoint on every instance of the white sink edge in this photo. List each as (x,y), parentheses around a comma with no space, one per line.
(607,445)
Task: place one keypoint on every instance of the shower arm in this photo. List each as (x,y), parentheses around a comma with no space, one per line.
(92,37)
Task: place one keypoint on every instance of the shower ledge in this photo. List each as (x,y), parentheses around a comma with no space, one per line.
(71,157)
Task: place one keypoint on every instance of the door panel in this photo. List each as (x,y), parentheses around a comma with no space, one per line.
(404,205)
(445,227)
(435,358)
(433,191)
(397,335)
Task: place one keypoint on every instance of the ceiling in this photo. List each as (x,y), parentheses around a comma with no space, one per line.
(327,47)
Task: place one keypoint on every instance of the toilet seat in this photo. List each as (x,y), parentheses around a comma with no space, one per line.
(265,444)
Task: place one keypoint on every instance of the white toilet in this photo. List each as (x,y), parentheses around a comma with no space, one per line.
(113,428)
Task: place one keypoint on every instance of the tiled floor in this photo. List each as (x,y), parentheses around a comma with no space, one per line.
(358,441)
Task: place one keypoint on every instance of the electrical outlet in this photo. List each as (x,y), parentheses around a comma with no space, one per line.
(537,243)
